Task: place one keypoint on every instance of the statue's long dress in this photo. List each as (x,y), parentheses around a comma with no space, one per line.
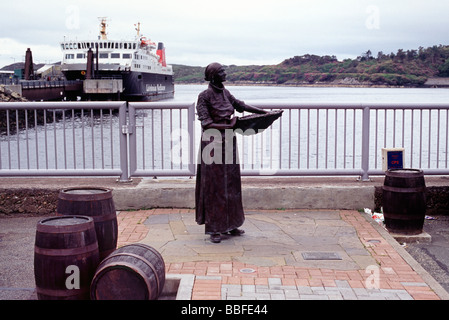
(218,193)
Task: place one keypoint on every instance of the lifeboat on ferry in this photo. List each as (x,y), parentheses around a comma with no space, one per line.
(144,42)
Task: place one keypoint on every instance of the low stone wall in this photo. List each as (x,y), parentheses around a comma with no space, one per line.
(34,201)
(44,201)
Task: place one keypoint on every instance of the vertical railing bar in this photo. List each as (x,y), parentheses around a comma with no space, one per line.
(299,138)
(92,137)
(102,139)
(82,135)
(336,139)
(438,140)
(353,138)
(430,129)
(308,138)
(326,139)
(345,137)
(152,137)
(54,139)
(376,136)
(64,139)
(411,136)
(289,135)
(46,140)
(18,139)
(280,144)
(447,134)
(385,128)
(27,140)
(143,142)
(420,139)
(73,138)
(394,128)
(171,140)
(36,139)
(179,140)
(317,136)
(162,139)
(9,138)
(403,128)
(111,134)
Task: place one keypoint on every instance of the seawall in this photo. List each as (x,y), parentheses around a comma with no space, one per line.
(40,195)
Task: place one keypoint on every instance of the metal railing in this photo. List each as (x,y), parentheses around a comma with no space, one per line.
(162,139)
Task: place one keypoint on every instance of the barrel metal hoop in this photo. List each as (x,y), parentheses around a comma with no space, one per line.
(66,252)
(61,293)
(404,190)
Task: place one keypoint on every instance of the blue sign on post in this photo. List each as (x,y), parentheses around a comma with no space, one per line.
(395,160)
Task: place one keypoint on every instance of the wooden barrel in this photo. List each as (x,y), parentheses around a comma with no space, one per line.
(132,272)
(404,201)
(65,257)
(98,204)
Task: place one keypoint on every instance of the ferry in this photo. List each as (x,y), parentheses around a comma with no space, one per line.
(134,70)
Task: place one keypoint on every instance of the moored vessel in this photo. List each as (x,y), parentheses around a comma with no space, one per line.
(118,69)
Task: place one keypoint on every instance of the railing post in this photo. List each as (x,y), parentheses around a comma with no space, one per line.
(123,144)
(365,143)
(191,128)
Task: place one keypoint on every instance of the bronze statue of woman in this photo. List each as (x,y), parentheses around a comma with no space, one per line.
(218,193)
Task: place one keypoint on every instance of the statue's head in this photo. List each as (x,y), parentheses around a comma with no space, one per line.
(215,73)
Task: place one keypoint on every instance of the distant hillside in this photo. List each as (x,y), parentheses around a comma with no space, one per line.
(403,68)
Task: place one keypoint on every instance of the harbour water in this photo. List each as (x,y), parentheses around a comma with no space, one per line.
(321,94)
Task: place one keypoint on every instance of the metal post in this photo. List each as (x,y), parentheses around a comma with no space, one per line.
(191,128)
(124,177)
(365,143)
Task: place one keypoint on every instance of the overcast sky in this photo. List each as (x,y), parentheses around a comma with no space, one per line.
(241,32)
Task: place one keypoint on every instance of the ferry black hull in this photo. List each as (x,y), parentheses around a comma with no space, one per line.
(137,86)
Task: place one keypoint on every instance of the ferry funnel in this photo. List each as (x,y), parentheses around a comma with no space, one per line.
(161,53)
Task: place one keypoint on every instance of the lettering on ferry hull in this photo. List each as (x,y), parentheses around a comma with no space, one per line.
(155,88)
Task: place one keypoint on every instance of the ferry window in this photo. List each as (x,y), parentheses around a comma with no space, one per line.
(70,56)
(80,56)
(104,55)
(116,45)
(126,56)
(134,46)
(115,55)
(62,46)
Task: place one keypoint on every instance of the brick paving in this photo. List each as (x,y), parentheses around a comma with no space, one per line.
(223,274)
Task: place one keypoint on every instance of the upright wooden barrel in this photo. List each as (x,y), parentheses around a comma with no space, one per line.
(404,201)
(65,257)
(98,204)
(132,272)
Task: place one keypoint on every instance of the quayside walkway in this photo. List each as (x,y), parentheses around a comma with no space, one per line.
(311,252)
(284,254)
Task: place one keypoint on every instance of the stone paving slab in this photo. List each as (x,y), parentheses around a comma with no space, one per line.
(267,263)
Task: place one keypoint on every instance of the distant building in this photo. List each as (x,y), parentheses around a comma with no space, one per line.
(6,77)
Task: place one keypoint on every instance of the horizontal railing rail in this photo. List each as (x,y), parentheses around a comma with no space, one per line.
(141,139)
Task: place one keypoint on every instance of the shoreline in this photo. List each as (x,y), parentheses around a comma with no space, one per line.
(312,85)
